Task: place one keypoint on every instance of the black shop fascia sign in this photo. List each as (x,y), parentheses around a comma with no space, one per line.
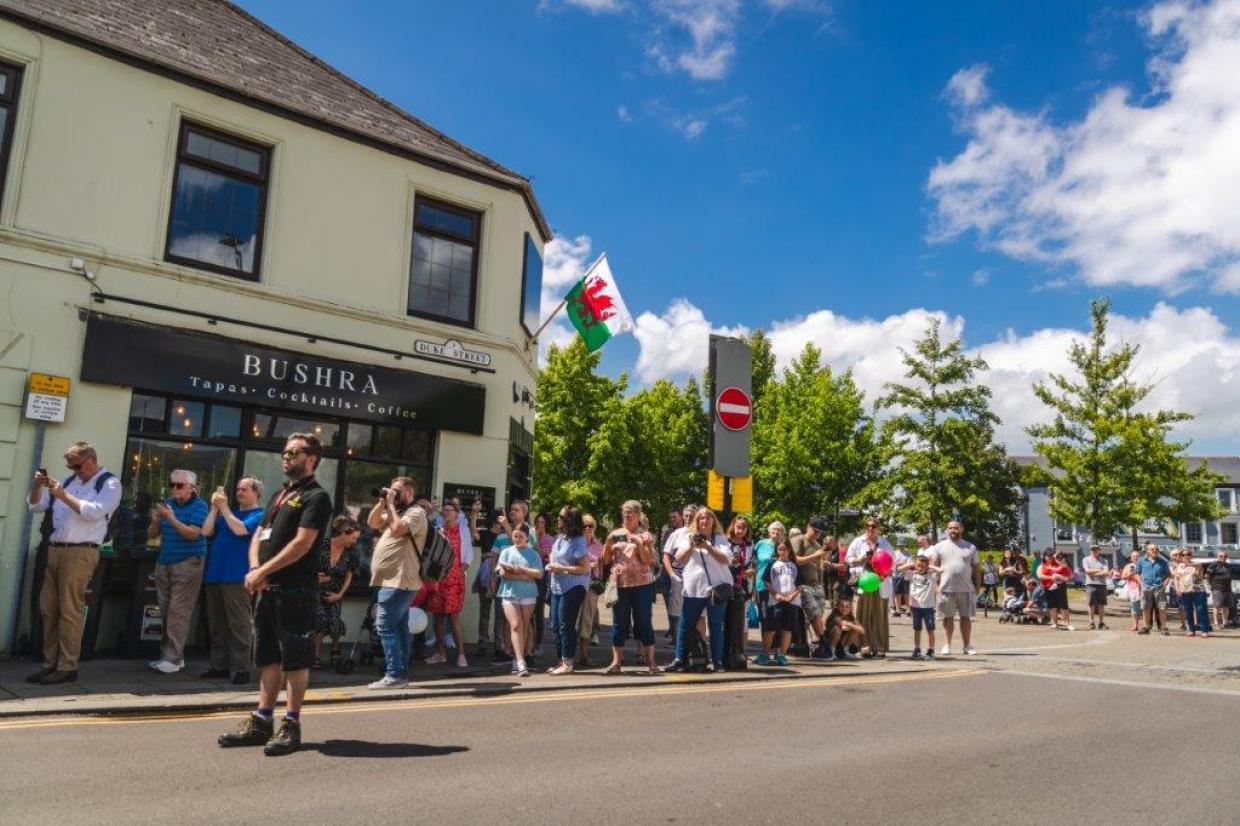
(151,357)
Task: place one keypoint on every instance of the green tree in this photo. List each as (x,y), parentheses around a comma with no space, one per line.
(813,443)
(1110,467)
(573,404)
(942,436)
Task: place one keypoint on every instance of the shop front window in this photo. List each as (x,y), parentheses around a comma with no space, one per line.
(149,463)
(269,468)
(268,426)
(356,500)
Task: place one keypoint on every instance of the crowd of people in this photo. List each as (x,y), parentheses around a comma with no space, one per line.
(276,576)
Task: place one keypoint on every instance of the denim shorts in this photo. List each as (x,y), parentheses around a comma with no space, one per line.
(923,617)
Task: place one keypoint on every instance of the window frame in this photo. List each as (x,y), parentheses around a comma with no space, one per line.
(11,99)
(476,241)
(526,249)
(262,180)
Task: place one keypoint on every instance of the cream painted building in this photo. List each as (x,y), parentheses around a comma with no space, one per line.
(219,240)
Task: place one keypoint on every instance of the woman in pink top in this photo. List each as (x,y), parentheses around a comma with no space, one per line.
(628,554)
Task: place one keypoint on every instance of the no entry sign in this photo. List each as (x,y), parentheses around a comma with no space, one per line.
(734,408)
(731,406)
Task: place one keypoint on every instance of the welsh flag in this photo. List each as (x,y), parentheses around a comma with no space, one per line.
(596,308)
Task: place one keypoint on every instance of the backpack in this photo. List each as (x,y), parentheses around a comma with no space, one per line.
(114,518)
(436,556)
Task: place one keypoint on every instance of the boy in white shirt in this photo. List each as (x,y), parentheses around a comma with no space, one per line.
(923,586)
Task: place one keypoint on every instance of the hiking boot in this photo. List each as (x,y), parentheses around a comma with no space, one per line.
(286,741)
(253,731)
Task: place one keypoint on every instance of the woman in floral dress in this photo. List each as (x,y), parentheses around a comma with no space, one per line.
(338,563)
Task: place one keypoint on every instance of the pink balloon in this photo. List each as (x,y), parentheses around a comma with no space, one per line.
(881,562)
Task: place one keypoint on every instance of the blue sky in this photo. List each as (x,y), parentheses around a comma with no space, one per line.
(841,170)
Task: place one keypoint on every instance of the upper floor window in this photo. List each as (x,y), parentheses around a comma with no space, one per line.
(10,83)
(443,274)
(531,286)
(219,195)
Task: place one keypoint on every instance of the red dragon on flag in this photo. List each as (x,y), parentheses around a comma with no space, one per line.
(593,305)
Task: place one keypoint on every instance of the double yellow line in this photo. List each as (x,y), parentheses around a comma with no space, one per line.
(517,698)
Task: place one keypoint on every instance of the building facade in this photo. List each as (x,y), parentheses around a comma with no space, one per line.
(219,240)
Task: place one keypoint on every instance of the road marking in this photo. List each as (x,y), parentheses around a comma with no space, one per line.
(1193,689)
(516,699)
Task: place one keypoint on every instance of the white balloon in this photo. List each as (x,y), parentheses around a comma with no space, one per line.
(418,620)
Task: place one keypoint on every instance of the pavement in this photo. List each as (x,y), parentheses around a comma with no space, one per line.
(111,686)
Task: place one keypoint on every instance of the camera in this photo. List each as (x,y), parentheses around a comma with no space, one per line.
(379,493)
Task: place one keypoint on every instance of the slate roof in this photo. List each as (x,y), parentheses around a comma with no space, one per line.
(216,43)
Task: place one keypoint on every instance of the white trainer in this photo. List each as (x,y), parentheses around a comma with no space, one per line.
(387,681)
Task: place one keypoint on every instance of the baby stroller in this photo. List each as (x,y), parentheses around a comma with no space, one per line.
(1013,610)
(362,652)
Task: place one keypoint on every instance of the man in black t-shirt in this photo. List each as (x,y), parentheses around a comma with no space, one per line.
(283,579)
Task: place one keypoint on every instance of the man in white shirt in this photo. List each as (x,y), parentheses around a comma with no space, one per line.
(960,572)
(80,508)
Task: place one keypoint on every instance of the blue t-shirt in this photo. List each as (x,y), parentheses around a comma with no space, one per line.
(764,553)
(229,558)
(568,551)
(512,588)
(175,548)
(1153,572)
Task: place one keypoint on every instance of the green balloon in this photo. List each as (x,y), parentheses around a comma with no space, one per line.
(868,582)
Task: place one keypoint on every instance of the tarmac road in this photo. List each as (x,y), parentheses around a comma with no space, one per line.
(952,745)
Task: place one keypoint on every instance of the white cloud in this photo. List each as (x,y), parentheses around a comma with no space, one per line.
(968,86)
(1135,192)
(1190,354)
(676,343)
(692,125)
(711,27)
(564,263)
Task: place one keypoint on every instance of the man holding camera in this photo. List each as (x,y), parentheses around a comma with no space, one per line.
(80,508)
(395,570)
(283,578)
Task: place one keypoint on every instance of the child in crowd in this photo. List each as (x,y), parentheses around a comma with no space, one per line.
(520,569)
(923,589)
(784,585)
(844,633)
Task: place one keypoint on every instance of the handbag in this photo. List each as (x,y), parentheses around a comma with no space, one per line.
(611,593)
(719,594)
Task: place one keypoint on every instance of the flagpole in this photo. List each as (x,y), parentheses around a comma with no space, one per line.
(551,317)
(564,300)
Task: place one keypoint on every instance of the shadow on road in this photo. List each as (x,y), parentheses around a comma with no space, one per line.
(364,748)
